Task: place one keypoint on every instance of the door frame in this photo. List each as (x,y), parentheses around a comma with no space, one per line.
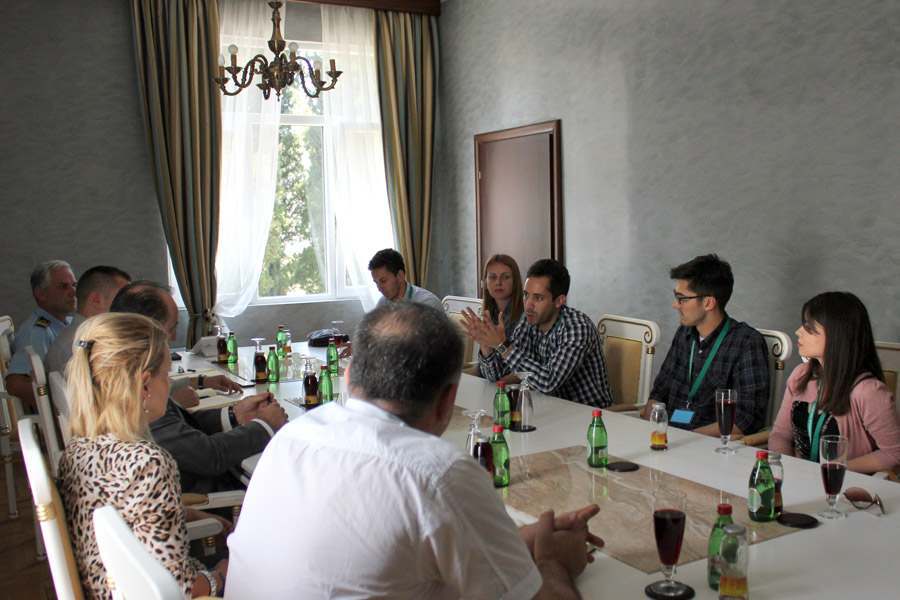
(556,218)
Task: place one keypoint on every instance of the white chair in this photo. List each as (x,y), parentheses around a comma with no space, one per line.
(131,571)
(889,355)
(45,410)
(629,345)
(10,410)
(59,398)
(453,308)
(50,515)
(779,349)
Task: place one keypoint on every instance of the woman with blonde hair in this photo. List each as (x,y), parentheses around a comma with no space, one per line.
(118,382)
(502,285)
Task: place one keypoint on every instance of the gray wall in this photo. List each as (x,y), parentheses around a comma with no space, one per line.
(765,131)
(76,179)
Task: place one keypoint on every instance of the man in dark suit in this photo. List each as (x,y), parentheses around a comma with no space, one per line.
(208,444)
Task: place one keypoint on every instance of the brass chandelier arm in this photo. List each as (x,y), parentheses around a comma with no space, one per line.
(257,64)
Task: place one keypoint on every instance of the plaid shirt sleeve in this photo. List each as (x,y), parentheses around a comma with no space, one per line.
(492,366)
(752,385)
(548,376)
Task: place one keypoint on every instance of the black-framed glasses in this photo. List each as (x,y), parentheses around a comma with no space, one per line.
(860,499)
(682,299)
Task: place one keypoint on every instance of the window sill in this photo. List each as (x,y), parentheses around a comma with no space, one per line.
(282,300)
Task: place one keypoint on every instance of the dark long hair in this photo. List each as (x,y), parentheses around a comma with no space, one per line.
(516,305)
(849,348)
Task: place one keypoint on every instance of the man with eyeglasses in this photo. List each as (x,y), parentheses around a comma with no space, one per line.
(711,351)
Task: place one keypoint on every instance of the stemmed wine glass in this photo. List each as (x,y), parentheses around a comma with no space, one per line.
(833,462)
(668,529)
(478,446)
(726,405)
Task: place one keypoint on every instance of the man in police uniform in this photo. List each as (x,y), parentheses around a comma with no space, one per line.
(53,288)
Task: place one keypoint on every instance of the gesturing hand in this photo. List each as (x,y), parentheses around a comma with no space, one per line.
(573,520)
(482,330)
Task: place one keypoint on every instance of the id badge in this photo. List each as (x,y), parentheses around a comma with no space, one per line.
(682,417)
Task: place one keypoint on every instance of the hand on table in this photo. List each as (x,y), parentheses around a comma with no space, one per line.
(246,410)
(186,397)
(222,383)
(482,330)
(273,414)
(563,546)
(575,520)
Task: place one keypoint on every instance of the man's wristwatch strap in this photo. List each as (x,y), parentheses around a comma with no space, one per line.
(231,417)
(501,349)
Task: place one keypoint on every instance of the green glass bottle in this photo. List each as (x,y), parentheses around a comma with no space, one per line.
(501,457)
(272,364)
(501,406)
(597,455)
(761,494)
(325,388)
(232,349)
(280,337)
(713,568)
(332,356)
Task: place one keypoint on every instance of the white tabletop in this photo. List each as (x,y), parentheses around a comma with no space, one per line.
(852,557)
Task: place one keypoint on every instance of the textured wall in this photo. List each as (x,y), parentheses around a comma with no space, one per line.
(765,131)
(75,178)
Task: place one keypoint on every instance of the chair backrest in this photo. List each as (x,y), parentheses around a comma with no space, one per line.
(628,347)
(889,355)
(50,514)
(59,397)
(132,572)
(45,410)
(7,337)
(453,308)
(780,349)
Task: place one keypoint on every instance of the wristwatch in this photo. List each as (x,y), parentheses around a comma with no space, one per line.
(501,349)
(200,380)
(231,417)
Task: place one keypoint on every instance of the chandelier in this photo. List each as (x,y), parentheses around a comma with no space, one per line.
(279,73)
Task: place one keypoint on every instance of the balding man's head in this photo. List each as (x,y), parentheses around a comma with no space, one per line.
(405,354)
(150,299)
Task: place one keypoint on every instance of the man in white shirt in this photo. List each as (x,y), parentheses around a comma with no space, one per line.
(389,274)
(365,500)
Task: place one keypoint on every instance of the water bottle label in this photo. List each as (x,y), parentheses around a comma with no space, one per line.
(754,500)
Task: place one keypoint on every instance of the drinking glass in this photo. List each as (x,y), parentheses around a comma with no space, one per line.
(477,444)
(726,405)
(258,342)
(668,529)
(833,462)
(475,417)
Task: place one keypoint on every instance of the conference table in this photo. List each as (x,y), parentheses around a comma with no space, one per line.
(851,557)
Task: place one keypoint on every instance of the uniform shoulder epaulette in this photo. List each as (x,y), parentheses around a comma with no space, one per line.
(42,322)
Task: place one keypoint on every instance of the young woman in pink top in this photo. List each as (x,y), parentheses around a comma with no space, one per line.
(841,389)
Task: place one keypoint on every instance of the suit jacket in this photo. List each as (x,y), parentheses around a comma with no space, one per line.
(204,453)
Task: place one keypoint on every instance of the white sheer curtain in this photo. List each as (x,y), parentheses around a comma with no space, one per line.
(249,163)
(354,160)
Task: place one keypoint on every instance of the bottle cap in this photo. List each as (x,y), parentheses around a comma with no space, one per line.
(271,347)
(762,455)
(596,412)
(724,509)
(324,367)
(498,428)
(501,384)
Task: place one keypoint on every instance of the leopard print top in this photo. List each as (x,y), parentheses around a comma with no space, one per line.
(141,480)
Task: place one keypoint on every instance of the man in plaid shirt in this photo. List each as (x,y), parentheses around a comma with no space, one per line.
(557,344)
(703,287)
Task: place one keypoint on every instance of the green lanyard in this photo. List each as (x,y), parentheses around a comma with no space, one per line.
(815,435)
(409,291)
(695,386)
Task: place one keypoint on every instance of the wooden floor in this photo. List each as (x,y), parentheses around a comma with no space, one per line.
(22,576)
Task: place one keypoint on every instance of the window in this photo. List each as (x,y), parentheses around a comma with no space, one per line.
(320,159)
